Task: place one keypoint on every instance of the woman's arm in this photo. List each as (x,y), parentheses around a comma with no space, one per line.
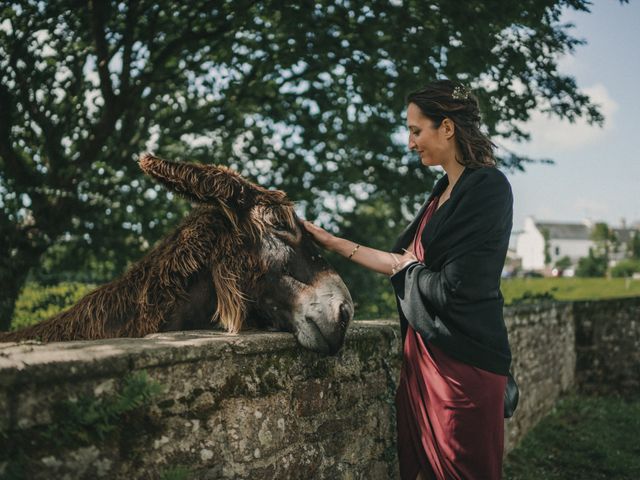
(376,260)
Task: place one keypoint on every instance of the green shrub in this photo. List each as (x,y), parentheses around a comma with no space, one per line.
(626,268)
(592,266)
(38,302)
(563,263)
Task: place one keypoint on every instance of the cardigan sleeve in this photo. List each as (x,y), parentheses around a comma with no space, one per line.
(476,233)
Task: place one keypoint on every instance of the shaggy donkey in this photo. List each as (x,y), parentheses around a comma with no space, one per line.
(241,258)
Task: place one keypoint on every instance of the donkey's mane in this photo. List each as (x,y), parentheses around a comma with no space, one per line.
(221,237)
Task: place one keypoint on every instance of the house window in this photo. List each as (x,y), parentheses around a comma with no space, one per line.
(557,250)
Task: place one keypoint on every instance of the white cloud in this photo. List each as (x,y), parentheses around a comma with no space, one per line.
(551,134)
(591,208)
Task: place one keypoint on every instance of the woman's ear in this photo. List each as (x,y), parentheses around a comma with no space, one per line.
(448,128)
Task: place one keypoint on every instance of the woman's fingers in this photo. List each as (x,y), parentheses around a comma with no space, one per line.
(320,235)
(311,228)
(317,232)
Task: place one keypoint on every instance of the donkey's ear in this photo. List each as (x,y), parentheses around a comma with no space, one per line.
(208,183)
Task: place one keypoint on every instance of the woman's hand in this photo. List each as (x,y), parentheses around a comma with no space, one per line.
(320,235)
(376,260)
(402,261)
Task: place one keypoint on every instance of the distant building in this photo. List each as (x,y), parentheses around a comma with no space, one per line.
(572,240)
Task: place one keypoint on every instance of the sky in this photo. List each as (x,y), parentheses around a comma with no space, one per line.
(597,171)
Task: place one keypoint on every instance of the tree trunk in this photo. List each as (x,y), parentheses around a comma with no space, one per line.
(13,275)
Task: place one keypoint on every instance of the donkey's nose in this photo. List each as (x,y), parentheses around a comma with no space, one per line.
(344,316)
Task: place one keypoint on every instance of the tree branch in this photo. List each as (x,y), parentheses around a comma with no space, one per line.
(21,172)
(102,49)
(127,40)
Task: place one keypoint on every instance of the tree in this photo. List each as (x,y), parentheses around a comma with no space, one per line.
(633,247)
(593,265)
(547,245)
(605,241)
(303,96)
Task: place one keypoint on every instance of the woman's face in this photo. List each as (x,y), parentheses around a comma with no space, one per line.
(431,143)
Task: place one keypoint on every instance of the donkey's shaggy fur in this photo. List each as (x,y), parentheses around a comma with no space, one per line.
(220,238)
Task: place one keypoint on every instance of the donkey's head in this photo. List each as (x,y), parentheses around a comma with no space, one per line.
(266,270)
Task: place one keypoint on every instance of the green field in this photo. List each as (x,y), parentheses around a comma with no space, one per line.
(584,437)
(568,288)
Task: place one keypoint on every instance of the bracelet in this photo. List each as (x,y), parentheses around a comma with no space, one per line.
(354,251)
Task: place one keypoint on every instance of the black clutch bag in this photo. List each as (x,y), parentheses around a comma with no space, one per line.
(511,396)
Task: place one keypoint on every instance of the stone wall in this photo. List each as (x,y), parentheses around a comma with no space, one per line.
(250,406)
(257,405)
(608,346)
(542,339)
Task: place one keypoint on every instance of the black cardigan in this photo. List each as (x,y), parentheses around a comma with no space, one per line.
(453,300)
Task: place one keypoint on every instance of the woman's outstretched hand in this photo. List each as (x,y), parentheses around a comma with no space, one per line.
(320,235)
(377,260)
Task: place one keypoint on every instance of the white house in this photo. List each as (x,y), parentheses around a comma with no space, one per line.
(565,239)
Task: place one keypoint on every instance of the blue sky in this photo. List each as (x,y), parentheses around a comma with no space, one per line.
(597,170)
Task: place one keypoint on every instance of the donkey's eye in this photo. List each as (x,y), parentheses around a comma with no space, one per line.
(281,227)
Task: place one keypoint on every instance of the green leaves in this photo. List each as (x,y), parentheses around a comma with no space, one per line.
(303,96)
(88,419)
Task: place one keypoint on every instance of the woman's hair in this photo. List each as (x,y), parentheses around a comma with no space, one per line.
(446,99)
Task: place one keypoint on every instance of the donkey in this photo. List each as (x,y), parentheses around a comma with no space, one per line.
(240,259)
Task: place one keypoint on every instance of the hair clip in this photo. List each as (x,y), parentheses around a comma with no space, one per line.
(460,93)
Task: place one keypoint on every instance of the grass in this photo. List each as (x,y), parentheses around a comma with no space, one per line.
(569,288)
(584,437)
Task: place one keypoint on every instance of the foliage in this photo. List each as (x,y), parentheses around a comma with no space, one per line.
(583,437)
(38,302)
(633,246)
(626,267)
(605,240)
(566,289)
(90,419)
(178,472)
(593,265)
(563,263)
(547,245)
(84,421)
(533,297)
(303,96)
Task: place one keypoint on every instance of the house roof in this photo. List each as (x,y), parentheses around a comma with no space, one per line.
(566,231)
(580,231)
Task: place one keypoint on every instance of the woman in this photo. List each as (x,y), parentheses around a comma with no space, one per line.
(445,269)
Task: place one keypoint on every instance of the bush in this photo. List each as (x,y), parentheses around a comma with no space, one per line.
(626,268)
(592,266)
(563,263)
(37,302)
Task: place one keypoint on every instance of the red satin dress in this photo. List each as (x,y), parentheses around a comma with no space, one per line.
(449,414)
